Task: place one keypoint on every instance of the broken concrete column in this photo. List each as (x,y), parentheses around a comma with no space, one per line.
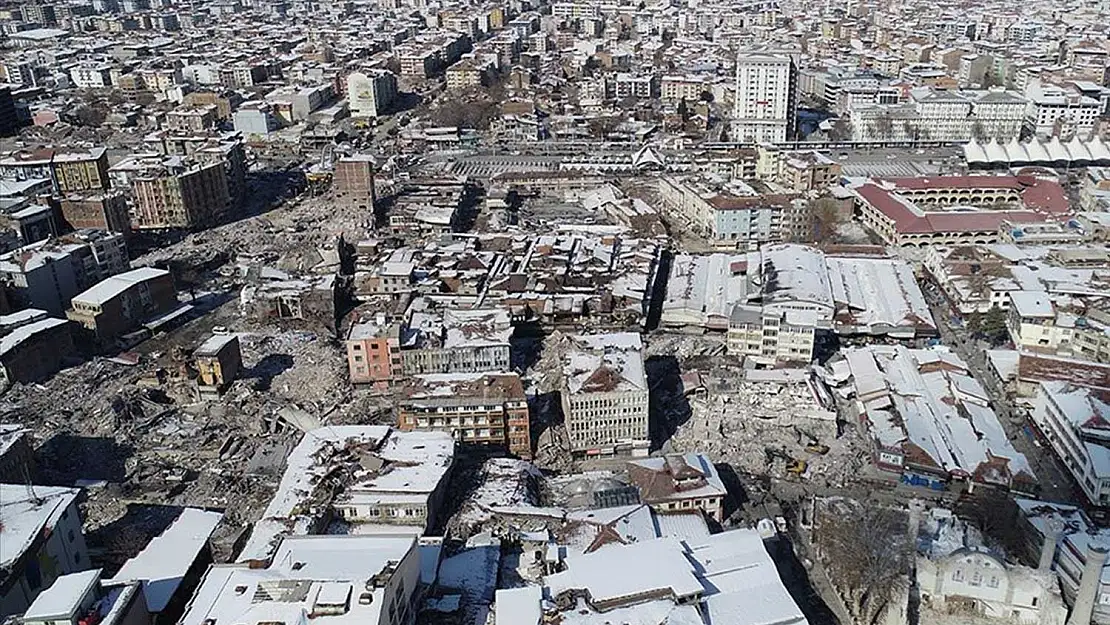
(1052,532)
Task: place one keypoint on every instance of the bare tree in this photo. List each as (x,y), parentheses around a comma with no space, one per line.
(471,109)
(601,127)
(827,218)
(884,125)
(841,129)
(90,116)
(979,132)
(994,514)
(867,553)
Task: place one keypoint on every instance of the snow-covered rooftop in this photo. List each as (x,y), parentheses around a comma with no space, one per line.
(163,563)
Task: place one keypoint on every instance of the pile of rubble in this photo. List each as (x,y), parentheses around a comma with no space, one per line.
(775,429)
(506,489)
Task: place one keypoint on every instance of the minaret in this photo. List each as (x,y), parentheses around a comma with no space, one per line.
(1088,586)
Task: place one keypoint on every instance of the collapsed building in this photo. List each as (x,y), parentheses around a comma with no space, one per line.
(357,474)
(308,300)
(432,338)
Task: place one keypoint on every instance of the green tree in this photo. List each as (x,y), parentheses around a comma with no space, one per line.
(994,326)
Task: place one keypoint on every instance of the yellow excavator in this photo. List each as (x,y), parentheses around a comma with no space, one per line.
(794,466)
(814,446)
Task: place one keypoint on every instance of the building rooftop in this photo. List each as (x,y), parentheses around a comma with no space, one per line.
(416,462)
(163,563)
(62,599)
(603,363)
(336,580)
(27,512)
(116,285)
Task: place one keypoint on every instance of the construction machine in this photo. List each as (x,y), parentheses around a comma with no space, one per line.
(794,466)
(814,446)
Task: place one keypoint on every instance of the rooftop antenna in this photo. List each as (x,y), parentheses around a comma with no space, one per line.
(31,494)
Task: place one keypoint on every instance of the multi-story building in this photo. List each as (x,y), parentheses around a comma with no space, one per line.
(916,211)
(765,104)
(33,346)
(42,541)
(673,89)
(466,74)
(9,119)
(314,575)
(97,211)
(418,61)
(69,171)
(46,275)
(942,115)
(797,171)
(121,303)
(626,85)
(369,94)
(1076,422)
(475,408)
(456,341)
(373,353)
(91,76)
(353,182)
(192,119)
(769,337)
(605,394)
(727,218)
(680,483)
(174,192)
(1055,111)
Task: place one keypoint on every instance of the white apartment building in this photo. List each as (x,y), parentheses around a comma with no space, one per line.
(1055,111)
(941,115)
(1024,32)
(605,394)
(768,337)
(1076,422)
(91,76)
(42,539)
(575,10)
(1032,323)
(766,102)
(629,85)
(368,94)
(327,579)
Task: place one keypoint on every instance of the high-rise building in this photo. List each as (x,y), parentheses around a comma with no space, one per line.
(765,104)
(368,94)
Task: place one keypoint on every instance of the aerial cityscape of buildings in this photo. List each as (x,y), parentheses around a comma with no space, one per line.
(538,312)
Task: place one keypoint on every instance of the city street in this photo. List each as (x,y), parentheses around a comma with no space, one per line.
(1056,483)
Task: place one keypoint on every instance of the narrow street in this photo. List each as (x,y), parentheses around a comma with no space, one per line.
(1055,481)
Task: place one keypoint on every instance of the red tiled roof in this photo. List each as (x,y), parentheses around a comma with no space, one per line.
(1042,199)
